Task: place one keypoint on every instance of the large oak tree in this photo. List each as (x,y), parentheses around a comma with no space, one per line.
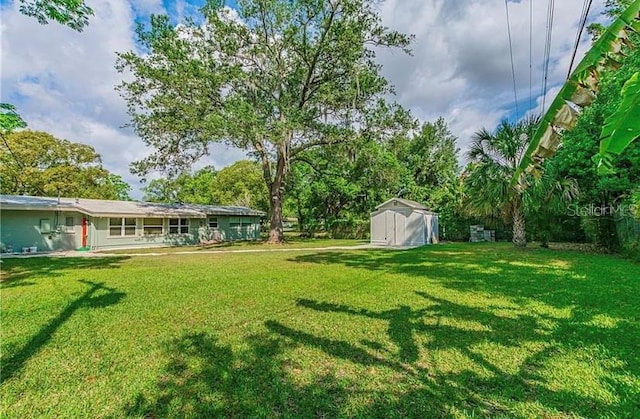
(272,77)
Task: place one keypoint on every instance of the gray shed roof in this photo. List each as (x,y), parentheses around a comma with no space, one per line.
(405,202)
(101,207)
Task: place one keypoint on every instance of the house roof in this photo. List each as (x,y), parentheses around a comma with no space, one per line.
(101,207)
(405,202)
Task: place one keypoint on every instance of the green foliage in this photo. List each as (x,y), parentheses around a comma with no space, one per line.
(595,85)
(115,187)
(432,175)
(242,184)
(72,13)
(277,78)
(546,201)
(632,246)
(197,188)
(339,186)
(458,330)
(573,159)
(612,9)
(238,184)
(495,158)
(430,156)
(37,163)
(621,127)
(9,119)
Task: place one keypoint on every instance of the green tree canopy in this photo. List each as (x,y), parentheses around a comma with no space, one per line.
(242,184)
(273,77)
(238,184)
(72,13)
(37,163)
(196,188)
(339,185)
(430,156)
(9,119)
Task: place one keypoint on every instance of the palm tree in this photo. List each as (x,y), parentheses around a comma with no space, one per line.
(494,158)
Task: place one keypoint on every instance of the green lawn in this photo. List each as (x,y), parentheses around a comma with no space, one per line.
(455,330)
(293,242)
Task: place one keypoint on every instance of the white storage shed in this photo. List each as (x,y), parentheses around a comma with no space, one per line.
(401,222)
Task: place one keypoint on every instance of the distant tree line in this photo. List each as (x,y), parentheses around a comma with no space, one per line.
(239,184)
(37,163)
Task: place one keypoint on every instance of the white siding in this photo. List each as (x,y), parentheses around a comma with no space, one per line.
(378,233)
(396,225)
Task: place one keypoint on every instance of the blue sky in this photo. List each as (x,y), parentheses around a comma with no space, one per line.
(63,82)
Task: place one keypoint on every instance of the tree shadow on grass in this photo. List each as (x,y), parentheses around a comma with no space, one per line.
(97,296)
(205,378)
(590,284)
(487,388)
(262,378)
(566,303)
(18,272)
(403,321)
(442,354)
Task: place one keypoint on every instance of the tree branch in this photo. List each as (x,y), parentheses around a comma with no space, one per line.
(314,61)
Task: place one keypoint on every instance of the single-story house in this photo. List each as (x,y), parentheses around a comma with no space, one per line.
(401,222)
(33,223)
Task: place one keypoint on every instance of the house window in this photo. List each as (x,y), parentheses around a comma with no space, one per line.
(213,222)
(151,226)
(45,225)
(179,226)
(68,225)
(235,222)
(122,227)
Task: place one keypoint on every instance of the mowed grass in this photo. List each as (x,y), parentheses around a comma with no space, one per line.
(292,242)
(442,331)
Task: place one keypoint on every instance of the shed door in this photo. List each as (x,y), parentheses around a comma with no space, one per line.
(400,228)
(389,227)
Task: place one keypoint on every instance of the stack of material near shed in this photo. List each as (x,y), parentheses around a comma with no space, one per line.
(489,235)
(476,233)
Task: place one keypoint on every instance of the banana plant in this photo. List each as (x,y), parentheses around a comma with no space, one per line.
(578,92)
(622,127)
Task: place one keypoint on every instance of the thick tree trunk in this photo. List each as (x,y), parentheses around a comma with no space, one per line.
(519,232)
(276,187)
(276,234)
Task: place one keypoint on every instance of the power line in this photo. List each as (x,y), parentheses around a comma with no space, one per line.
(547,52)
(530,54)
(583,21)
(513,69)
